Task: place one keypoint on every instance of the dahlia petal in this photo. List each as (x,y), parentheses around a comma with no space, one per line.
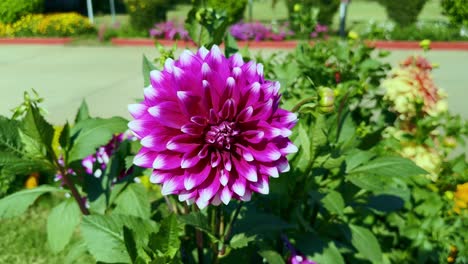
(201,203)
(166,113)
(265,152)
(236,72)
(188,102)
(173,185)
(260,69)
(226,195)
(166,162)
(203,152)
(182,143)
(169,65)
(210,191)
(202,52)
(184,196)
(216,53)
(283,165)
(187,58)
(159,176)
(239,186)
(289,148)
(192,129)
(137,110)
(245,114)
(253,136)
(227,161)
(190,159)
(247,196)
(261,186)
(236,60)
(150,93)
(199,120)
(223,177)
(155,143)
(144,158)
(216,200)
(215,159)
(196,176)
(228,110)
(156,78)
(245,170)
(141,126)
(244,152)
(270,171)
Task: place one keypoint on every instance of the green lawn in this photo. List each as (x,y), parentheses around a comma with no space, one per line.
(24,238)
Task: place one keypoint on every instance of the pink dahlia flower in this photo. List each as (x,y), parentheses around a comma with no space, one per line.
(212,129)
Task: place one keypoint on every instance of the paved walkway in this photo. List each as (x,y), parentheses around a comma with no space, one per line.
(109,78)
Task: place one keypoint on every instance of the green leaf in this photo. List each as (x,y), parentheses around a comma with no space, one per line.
(109,228)
(271,257)
(93,133)
(83,113)
(390,167)
(230,45)
(330,254)
(35,126)
(133,200)
(241,240)
(76,251)
(356,158)
(130,243)
(9,136)
(166,241)
(196,219)
(61,223)
(64,138)
(17,203)
(334,202)
(366,243)
(147,68)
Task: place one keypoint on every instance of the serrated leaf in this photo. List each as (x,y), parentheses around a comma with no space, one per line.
(366,243)
(83,113)
(240,241)
(390,167)
(271,257)
(133,200)
(147,68)
(61,224)
(196,219)
(9,135)
(35,126)
(93,133)
(64,139)
(334,202)
(166,241)
(17,203)
(109,228)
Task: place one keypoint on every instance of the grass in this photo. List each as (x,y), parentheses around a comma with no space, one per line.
(24,238)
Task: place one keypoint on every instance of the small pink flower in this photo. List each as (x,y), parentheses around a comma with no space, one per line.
(212,129)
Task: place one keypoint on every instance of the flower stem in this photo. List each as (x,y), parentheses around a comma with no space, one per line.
(303,102)
(69,183)
(199,239)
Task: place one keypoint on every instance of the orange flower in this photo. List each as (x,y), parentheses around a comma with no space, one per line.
(32,181)
(461,197)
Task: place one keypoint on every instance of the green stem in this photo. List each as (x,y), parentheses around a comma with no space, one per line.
(303,102)
(199,239)
(71,185)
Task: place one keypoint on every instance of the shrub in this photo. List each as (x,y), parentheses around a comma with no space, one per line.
(327,8)
(145,13)
(456,10)
(258,31)
(403,12)
(57,25)
(234,8)
(12,10)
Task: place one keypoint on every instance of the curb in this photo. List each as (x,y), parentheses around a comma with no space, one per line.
(291,44)
(36,41)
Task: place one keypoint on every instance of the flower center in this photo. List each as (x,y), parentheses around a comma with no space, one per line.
(222,135)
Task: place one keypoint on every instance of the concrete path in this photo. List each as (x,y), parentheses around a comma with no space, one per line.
(109,78)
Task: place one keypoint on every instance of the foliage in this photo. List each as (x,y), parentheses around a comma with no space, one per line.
(456,10)
(358,190)
(404,13)
(54,25)
(326,9)
(12,10)
(234,9)
(145,13)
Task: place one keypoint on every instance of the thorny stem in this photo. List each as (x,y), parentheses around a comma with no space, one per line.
(303,102)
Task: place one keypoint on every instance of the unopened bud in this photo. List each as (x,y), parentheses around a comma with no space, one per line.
(326,99)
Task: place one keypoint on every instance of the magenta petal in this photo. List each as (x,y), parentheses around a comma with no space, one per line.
(239,186)
(196,176)
(173,185)
(265,152)
(209,191)
(145,158)
(244,169)
(166,161)
(226,195)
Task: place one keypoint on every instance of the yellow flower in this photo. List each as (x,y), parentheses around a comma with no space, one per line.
(425,157)
(425,44)
(461,197)
(32,181)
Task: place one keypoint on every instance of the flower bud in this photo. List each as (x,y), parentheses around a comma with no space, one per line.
(353,35)
(297,8)
(326,99)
